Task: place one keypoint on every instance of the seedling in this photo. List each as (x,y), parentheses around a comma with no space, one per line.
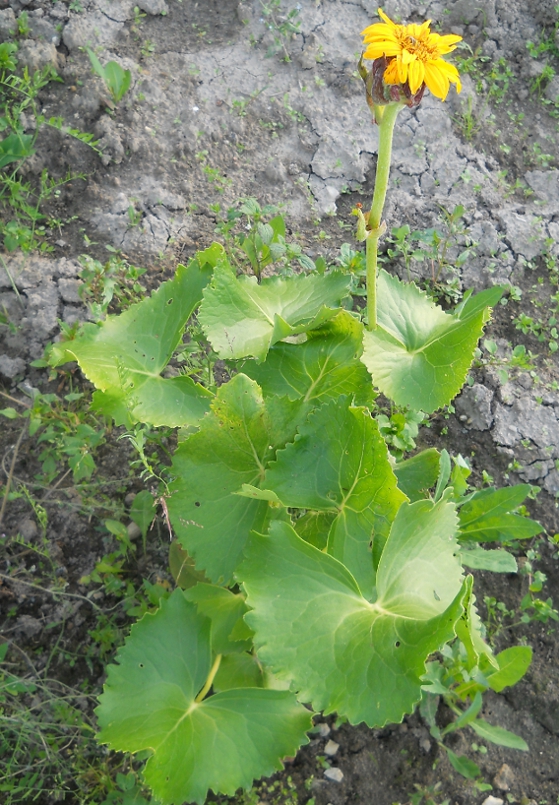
(147,49)
(23,26)
(116,79)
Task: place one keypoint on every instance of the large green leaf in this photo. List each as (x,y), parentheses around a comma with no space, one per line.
(419,355)
(222,742)
(125,355)
(325,367)
(485,517)
(243,318)
(339,464)
(233,447)
(339,651)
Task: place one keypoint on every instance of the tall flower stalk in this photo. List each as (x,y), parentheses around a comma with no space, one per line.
(406,60)
(386,131)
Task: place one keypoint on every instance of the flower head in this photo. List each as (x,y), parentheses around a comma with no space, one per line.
(412,56)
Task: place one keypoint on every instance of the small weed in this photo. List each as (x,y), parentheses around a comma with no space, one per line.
(274,792)
(547,42)
(138,17)
(542,80)
(497,614)
(47,751)
(114,284)
(147,49)
(197,356)
(115,78)
(491,80)
(468,123)
(435,246)
(283,27)
(540,158)
(532,608)
(519,359)
(425,795)
(352,262)
(23,27)
(66,434)
(214,176)
(294,114)
(399,430)
(535,609)
(261,242)
(272,126)
(241,105)
(23,225)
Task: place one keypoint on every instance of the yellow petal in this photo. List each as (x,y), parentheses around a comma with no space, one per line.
(447,68)
(375,51)
(416,75)
(450,71)
(402,71)
(391,75)
(425,27)
(381,40)
(440,45)
(436,80)
(378,29)
(387,20)
(449,40)
(408,56)
(418,31)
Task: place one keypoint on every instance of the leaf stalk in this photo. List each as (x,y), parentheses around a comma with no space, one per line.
(209,681)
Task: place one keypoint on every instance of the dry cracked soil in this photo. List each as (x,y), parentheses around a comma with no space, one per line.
(227,101)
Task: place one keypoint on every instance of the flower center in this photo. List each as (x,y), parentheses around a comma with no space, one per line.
(418,47)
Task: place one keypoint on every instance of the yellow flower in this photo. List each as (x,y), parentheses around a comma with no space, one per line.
(413,54)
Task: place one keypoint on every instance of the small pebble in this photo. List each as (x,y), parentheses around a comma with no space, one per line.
(504,778)
(28,529)
(331,748)
(491,800)
(133,531)
(324,730)
(337,775)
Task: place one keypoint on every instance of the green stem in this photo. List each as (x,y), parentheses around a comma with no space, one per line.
(209,681)
(386,130)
